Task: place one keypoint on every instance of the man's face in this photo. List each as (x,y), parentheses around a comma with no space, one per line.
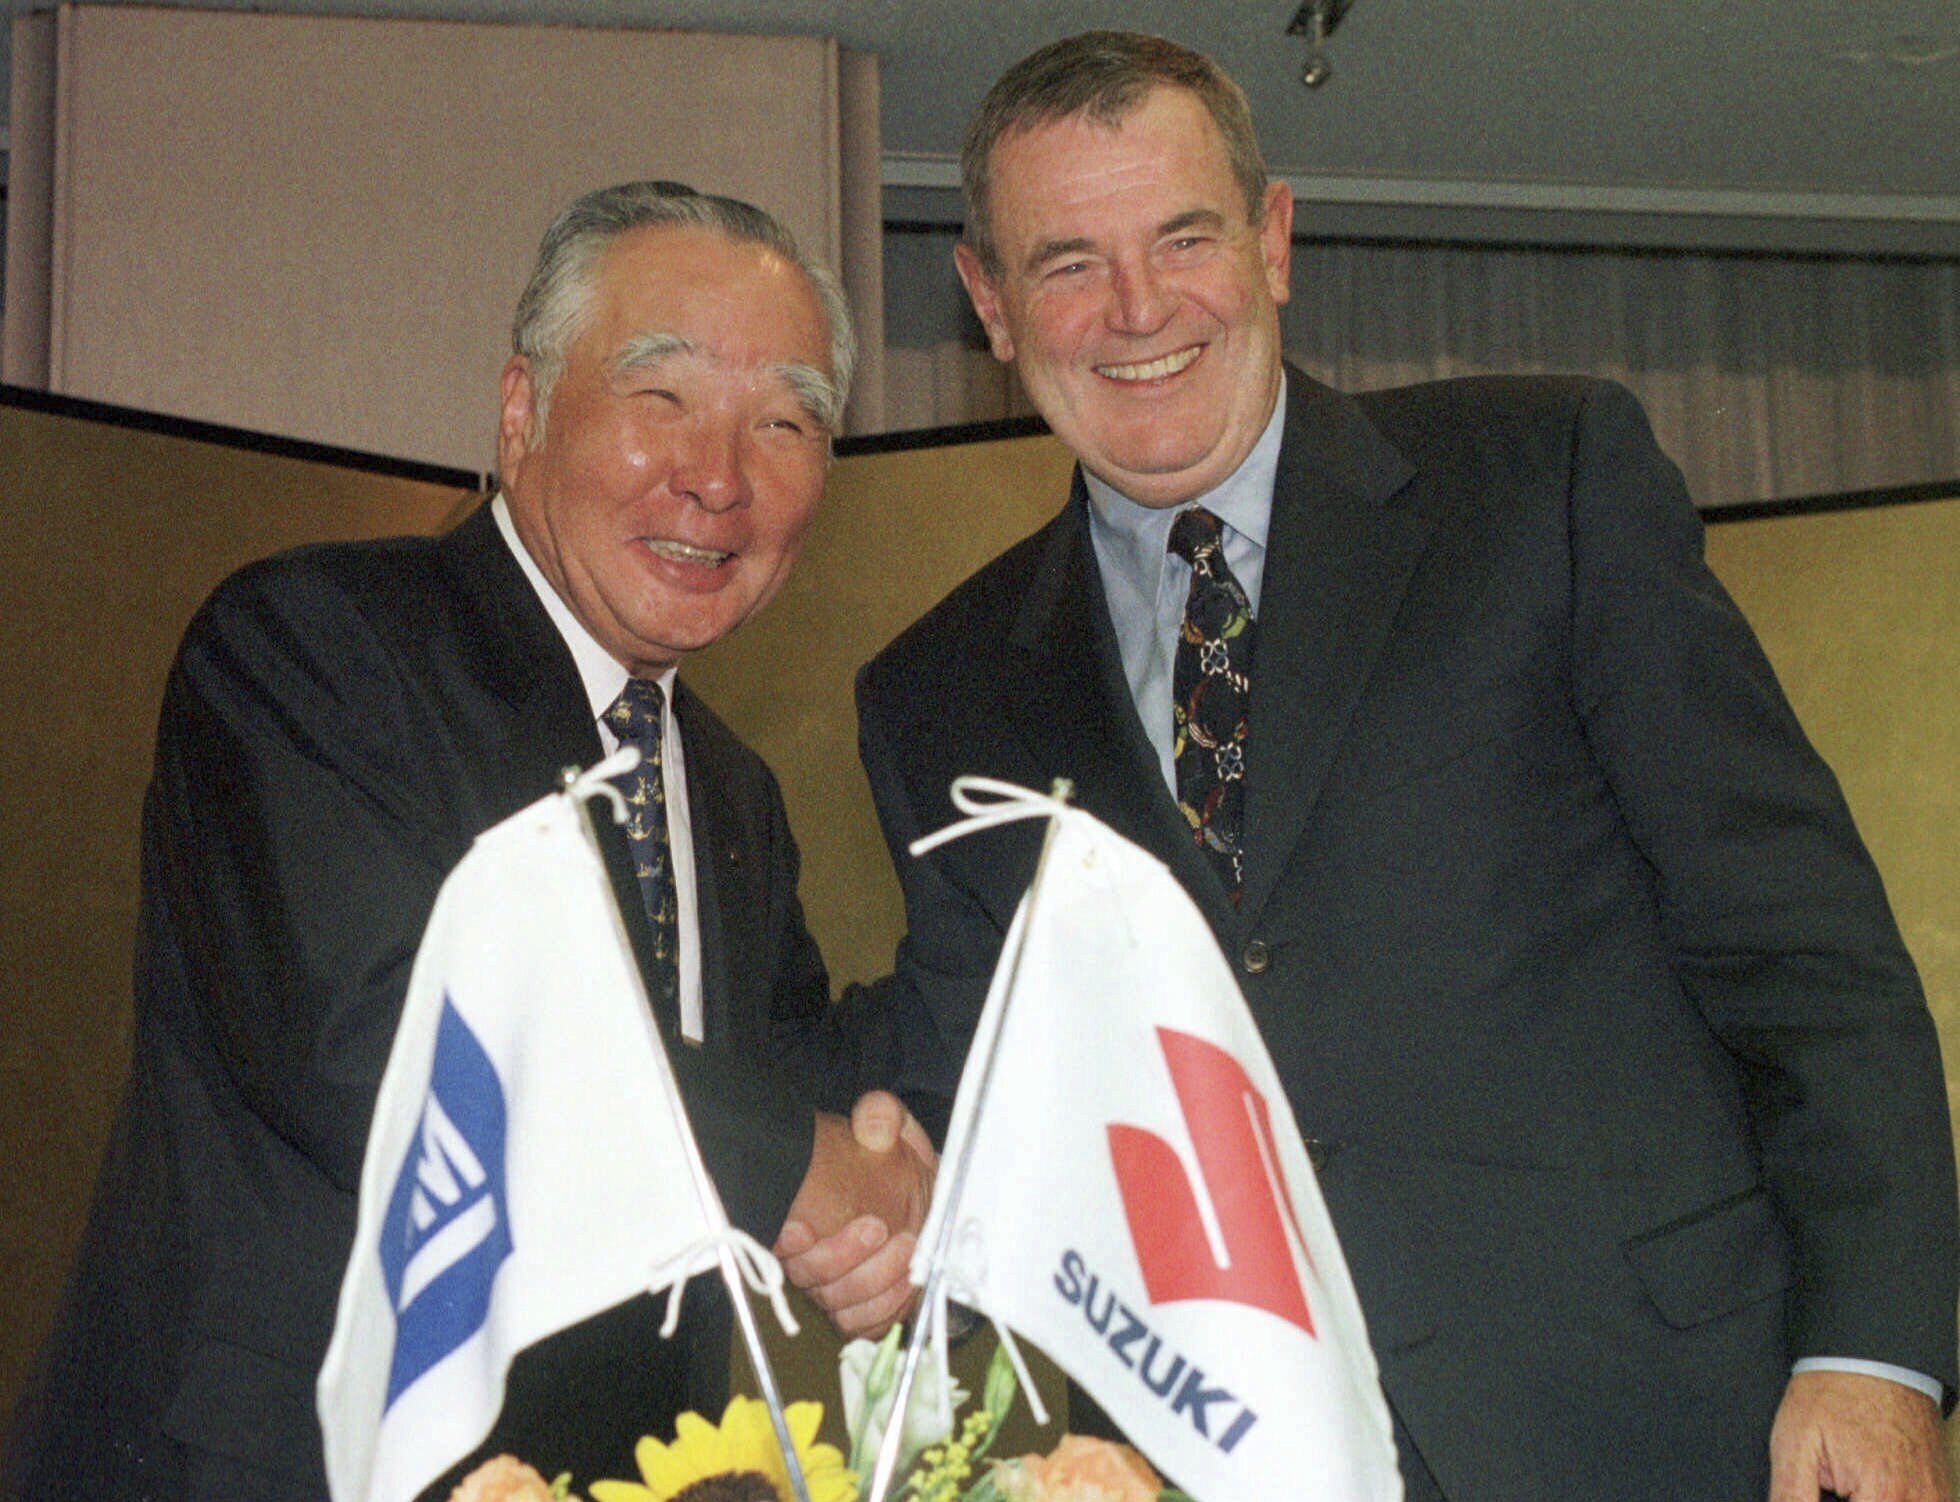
(1140,307)
(679,468)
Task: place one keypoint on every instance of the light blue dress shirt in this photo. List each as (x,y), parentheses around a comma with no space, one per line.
(1146,583)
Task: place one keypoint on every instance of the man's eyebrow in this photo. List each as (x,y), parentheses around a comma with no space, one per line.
(815,392)
(649,349)
(1191,219)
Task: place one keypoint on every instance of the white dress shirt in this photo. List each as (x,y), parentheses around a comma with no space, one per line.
(604,677)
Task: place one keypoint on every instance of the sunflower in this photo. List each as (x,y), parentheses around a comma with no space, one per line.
(737,1462)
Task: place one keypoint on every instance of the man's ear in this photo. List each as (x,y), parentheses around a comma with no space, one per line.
(1276,241)
(986,301)
(514,418)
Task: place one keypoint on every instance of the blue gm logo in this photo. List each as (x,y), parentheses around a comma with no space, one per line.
(448,1224)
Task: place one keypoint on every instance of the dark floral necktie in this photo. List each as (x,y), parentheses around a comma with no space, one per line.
(1210,687)
(636,717)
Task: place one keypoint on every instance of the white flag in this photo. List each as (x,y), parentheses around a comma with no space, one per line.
(1138,1200)
(528,1166)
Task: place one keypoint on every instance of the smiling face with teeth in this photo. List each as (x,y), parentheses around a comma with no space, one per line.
(1138,301)
(680,461)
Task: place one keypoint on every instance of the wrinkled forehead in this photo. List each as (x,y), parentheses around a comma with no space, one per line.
(1164,156)
(741,304)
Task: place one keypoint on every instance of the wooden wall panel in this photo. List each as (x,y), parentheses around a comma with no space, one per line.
(113,539)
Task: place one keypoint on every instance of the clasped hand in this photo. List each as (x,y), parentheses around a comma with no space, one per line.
(850,1232)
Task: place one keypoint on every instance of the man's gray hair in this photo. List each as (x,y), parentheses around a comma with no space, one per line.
(1103,75)
(558,297)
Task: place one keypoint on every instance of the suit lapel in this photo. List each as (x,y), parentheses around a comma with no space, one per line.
(1071,705)
(1339,557)
(512,649)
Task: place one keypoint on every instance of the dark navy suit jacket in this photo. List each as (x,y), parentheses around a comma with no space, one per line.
(341,722)
(1559,933)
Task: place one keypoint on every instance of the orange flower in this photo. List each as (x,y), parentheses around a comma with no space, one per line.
(1080,1469)
(505,1479)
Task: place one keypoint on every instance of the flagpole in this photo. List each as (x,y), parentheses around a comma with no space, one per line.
(704,1186)
(930,1301)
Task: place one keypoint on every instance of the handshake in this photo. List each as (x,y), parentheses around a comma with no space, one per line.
(848,1238)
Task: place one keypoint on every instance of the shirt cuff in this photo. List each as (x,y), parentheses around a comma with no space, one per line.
(1917,1381)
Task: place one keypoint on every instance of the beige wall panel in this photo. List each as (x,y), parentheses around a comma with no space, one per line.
(113,539)
(30,203)
(318,226)
(861,229)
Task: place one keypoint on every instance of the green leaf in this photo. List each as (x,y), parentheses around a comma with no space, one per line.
(883,1368)
(1001,1386)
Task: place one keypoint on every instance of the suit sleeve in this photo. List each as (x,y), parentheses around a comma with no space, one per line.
(1773,910)
(751,1102)
(297,848)
(831,1052)
(945,961)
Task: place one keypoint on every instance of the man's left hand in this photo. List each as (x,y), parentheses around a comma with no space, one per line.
(859,1273)
(1863,1438)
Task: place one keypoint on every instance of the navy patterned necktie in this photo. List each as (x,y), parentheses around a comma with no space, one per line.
(636,717)
(1210,686)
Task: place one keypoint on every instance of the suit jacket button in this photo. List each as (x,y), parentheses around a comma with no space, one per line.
(1257,957)
(1317,1153)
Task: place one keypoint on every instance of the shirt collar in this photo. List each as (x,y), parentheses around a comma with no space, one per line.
(602,674)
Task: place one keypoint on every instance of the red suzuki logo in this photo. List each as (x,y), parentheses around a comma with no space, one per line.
(1233,1138)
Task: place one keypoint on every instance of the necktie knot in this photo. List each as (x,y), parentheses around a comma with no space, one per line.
(1195,534)
(637,714)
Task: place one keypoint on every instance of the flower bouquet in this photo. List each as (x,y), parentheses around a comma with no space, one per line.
(942,1457)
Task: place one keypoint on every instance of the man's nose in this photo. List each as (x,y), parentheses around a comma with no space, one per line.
(709,466)
(1141,303)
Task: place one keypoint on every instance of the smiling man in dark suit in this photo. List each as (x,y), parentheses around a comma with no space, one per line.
(1623,1091)
(340,723)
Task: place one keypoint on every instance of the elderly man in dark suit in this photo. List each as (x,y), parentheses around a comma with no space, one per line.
(1626,1101)
(340,723)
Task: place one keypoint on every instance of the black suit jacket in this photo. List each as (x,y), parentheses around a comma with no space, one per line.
(341,722)
(1558,932)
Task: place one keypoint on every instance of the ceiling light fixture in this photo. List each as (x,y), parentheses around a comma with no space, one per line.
(1316,19)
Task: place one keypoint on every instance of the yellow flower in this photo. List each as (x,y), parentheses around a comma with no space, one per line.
(739,1461)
